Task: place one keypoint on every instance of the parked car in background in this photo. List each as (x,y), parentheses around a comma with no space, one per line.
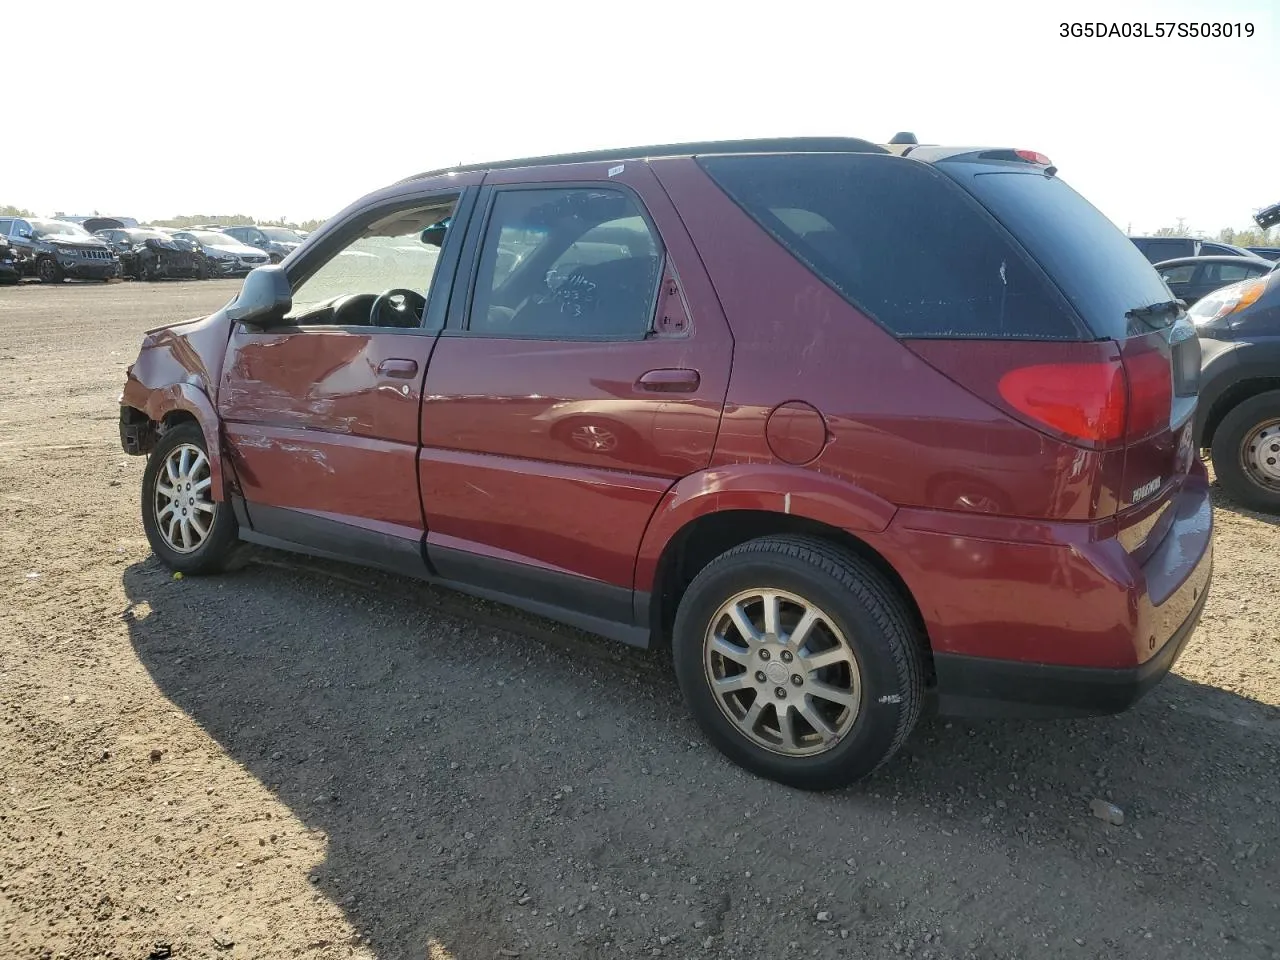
(1267,253)
(838,422)
(1190,278)
(227,256)
(54,250)
(10,263)
(1239,416)
(1160,249)
(276,242)
(152,254)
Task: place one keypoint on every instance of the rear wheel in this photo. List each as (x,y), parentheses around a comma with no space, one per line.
(799,661)
(48,271)
(1246,452)
(188,530)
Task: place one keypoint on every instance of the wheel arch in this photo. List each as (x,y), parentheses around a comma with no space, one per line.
(705,515)
(167,407)
(1234,395)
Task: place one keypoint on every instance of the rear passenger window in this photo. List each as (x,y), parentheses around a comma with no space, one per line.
(899,241)
(566,265)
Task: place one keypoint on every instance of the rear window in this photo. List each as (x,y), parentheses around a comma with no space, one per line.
(1094,264)
(900,241)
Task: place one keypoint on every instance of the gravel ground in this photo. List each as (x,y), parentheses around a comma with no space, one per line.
(310,760)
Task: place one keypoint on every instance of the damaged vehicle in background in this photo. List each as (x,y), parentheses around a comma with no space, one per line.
(227,256)
(276,242)
(149,254)
(54,250)
(10,263)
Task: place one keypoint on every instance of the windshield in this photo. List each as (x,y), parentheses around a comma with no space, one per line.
(137,236)
(58,228)
(282,234)
(211,238)
(1095,265)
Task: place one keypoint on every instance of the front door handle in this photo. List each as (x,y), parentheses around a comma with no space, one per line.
(400,369)
(670,380)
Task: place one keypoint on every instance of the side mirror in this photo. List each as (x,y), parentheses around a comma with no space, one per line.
(264,299)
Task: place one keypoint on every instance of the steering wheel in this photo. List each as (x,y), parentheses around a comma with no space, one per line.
(407,313)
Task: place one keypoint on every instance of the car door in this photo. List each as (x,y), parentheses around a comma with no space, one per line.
(1180,278)
(320,413)
(583,375)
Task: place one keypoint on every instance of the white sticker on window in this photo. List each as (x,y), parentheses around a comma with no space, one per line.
(614,171)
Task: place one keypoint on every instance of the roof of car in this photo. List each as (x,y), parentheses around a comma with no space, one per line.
(762,145)
(1214,258)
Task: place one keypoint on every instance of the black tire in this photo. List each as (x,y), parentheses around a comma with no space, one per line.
(1229,451)
(48,271)
(221,548)
(866,608)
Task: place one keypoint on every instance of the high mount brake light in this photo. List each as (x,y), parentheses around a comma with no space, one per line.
(1033,156)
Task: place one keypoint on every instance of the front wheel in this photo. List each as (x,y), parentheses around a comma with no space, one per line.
(188,530)
(799,661)
(48,270)
(1246,452)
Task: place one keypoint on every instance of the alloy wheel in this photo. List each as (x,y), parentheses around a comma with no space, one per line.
(782,672)
(184,508)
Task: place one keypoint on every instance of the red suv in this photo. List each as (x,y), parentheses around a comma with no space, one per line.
(842,424)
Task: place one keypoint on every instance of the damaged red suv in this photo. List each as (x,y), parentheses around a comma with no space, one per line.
(844,425)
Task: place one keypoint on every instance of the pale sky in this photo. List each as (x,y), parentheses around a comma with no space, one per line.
(272,108)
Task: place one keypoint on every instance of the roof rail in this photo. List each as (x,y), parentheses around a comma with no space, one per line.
(763,145)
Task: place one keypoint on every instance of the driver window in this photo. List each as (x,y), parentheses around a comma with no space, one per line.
(380,279)
(566,264)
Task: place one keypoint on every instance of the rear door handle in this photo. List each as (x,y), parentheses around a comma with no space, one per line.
(669,380)
(395,367)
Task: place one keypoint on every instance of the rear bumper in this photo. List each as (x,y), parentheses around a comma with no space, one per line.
(980,687)
(1060,627)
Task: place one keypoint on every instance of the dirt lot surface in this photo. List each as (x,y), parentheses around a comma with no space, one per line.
(310,760)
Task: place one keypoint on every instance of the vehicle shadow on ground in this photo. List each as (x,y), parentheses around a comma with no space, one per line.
(1223,501)
(434,750)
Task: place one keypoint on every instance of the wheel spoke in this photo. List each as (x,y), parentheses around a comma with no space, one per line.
(771,606)
(743,623)
(184,461)
(168,509)
(820,726)
(739,681)
(730,651)
(800,632)
(201,484)
(786,729)
(200,528)
(185,528)
(200,461)
(166,491)
(171,533)
(752,716)
(205,506)
(824,691)
(827,658)
(171,471)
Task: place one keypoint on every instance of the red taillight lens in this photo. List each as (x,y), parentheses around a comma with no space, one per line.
(1083,400)
(1032,156)
(1150,392)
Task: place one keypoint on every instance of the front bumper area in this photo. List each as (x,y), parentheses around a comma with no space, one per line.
(982,687)
(90,269)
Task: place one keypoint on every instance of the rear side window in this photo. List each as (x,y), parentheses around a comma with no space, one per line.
(1158,251)
(899,241)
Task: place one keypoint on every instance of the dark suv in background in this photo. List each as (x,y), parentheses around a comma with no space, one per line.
(1160,249)
(838,423)
(57,249)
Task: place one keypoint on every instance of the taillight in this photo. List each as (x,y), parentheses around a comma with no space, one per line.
(1033,156)
(1086,401)
(1095,402)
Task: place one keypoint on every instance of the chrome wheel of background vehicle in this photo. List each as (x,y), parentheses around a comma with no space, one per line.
(1260,454)
(184,509)
(782,672)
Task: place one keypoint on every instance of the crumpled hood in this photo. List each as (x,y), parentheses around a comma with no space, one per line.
(62,241)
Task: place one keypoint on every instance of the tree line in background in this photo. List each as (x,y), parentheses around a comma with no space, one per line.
(1254,237)
(8,210)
